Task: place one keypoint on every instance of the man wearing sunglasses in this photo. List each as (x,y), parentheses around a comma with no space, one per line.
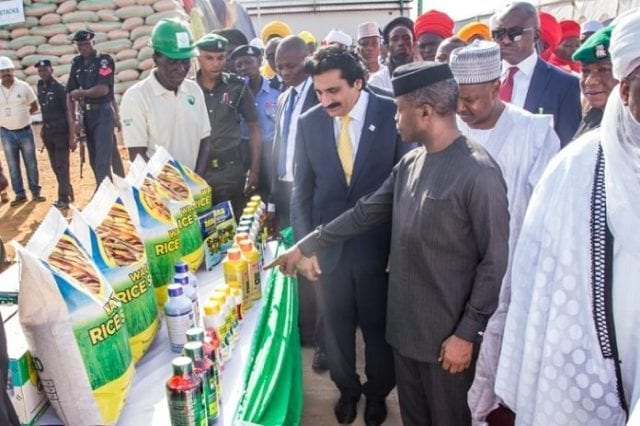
(526,80)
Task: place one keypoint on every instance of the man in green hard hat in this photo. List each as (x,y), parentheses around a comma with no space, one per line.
(228,100)
(166,108)
(596,79)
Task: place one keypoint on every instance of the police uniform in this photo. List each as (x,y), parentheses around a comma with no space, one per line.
(55,132)
(228,102)
(98,113)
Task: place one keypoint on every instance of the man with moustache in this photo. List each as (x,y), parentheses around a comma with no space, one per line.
(229,101)
(447,204)
(529,82)
(596,77)
(398,37)
(165,108)
(330,175)
(297,99)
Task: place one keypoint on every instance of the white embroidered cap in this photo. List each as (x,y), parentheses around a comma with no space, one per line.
(368,29)
(476,63)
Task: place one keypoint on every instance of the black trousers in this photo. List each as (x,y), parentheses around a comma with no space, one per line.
(99,127)
(57,145)
(281,197)
(352,295)
(428,395)
(227,184)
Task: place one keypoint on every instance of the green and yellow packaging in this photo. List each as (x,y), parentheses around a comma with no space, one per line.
(74,325)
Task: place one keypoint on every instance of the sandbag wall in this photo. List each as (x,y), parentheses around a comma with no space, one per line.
(122,29)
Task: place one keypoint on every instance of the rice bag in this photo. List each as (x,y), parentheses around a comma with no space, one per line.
(226,225)
(108,233)
(75,327)
(202,192)
(175,191)
(158,227)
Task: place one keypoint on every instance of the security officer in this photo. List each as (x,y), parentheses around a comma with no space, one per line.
(228,101)
(91,83)
(55,130)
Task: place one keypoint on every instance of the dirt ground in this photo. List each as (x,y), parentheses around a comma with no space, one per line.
(18,223)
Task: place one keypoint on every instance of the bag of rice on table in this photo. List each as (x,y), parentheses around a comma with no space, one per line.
(174,189)
(158,227)
(75,327)
(108,233)
(202,192)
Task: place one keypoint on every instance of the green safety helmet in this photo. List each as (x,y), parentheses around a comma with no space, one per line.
(172,38)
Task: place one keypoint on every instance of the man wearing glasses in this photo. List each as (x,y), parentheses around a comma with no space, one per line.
(529,82)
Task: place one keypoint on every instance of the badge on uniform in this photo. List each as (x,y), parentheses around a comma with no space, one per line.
(191,100)
(105,69)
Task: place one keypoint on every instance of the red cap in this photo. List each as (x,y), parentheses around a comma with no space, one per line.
(234,254)
(435,22)
(551,33)
(569,29)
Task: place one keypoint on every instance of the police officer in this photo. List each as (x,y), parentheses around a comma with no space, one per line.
(91,83)
(55,130)
(228,101)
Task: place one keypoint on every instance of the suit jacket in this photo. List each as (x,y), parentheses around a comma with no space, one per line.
(320,191)
(309,101)
(558,94)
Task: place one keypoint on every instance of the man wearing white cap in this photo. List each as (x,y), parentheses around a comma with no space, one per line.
(588,28)
(522,144)
(570,349)
(369,46)
(17,103)
(338,37)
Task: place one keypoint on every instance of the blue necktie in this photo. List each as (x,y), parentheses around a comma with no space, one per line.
(282,154)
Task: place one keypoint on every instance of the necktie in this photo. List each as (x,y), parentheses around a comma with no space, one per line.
(345,150)
(288,112)
(506,88)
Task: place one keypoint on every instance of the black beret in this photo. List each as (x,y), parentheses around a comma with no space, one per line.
(400,21)
(43,63)
(417,75)
(246,50)
(84,35)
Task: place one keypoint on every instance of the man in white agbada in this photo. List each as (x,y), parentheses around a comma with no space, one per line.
(571,344)
(522,143)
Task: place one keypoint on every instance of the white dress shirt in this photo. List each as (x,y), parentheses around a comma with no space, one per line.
(301,89)
(357,115)
(15,102)
(521,79)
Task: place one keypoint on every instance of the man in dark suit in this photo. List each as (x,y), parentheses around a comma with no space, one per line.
(298,98)
(527,80)
(345,148)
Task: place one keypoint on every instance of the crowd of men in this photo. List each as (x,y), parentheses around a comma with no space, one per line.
(466,199)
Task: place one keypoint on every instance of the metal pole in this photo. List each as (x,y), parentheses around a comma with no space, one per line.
(259,19)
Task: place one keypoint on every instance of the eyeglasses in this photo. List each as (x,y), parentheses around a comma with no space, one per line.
(514,33)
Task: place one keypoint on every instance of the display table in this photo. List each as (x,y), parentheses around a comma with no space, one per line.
(263,377)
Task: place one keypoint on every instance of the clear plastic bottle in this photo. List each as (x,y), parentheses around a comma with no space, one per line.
(178,312)
(205,369)
(187,290)
(185,395)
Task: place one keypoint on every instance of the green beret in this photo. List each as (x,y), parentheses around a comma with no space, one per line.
(596,48)
(212,43)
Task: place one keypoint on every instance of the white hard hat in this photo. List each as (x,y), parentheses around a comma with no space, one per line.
(5,63)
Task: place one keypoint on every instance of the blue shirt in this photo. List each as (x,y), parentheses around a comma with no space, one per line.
(266,101)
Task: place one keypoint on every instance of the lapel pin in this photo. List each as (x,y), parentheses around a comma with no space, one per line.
(372,128)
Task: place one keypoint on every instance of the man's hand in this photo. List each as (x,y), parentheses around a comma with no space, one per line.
(76,94)
(252,183)
(116,123)
(455,354)
(287,261)
(309,268)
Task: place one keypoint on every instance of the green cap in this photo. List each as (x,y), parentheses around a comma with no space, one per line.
(212,43)
(596,48)
(172,38)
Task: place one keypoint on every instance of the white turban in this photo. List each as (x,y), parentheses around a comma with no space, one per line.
(624,46)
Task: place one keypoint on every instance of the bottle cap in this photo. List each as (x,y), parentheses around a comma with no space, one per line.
(256,198)
(244,228)
(248,211)
(234,254)
(195,334)
(219,298)
(211,308)
(194,350)
(175,290)
(246,246)
(183,280)
(236,292)
(253,205)
(181,268)
(182,365)
(240,236)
